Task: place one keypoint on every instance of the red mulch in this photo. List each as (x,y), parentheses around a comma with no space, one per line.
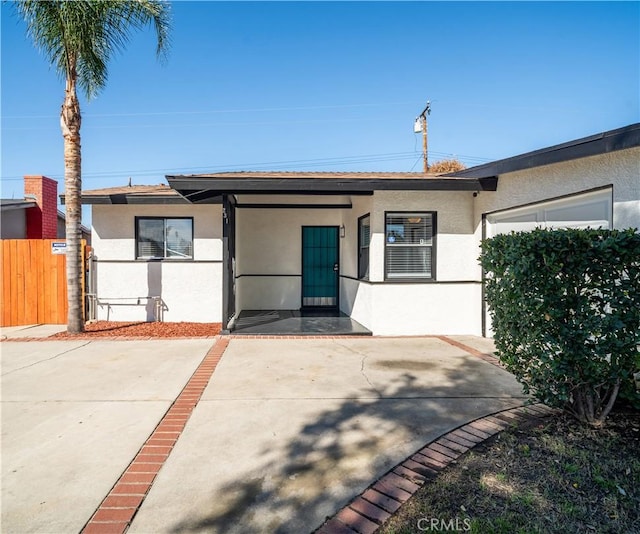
(110,329)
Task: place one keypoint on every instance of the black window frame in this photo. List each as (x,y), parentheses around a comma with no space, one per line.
(434,233)
(364,264)
(163,258)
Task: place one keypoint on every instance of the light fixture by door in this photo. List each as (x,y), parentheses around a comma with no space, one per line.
(342,230)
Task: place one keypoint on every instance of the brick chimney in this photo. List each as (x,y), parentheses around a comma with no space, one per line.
(42,220)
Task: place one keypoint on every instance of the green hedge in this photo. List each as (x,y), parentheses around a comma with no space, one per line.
(565,308)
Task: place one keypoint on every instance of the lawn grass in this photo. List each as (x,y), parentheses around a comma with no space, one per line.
(553,477)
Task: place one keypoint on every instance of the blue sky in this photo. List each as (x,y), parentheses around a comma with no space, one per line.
(329,86)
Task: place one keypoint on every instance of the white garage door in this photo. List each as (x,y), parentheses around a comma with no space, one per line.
(593,209)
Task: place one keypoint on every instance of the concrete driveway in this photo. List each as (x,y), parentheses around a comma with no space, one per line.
(287,430)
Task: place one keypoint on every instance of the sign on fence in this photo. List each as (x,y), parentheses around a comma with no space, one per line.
(58,248)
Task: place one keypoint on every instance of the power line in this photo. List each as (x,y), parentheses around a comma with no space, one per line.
(173,126)
(283,164)
(213,111)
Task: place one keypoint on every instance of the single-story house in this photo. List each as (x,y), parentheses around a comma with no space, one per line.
(395,251)
(36,216)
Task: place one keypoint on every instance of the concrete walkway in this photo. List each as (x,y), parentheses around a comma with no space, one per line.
(31,331)
(286,433)
(74,414)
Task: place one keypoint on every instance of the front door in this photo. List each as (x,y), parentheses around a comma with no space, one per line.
(320,268)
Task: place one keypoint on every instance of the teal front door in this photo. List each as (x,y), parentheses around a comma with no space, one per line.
(320,268)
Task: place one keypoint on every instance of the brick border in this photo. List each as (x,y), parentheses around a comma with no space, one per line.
(116,512)
(485,356)
(368,511)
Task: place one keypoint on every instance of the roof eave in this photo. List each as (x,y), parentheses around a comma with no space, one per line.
(122,198)
(602,143)
(198,188)
(18,205)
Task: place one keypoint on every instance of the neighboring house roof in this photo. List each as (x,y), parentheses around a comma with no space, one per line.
(602,143)
(7,204)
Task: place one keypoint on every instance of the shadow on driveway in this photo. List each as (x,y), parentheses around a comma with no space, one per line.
(273,448)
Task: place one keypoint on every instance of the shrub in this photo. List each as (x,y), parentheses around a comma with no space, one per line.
(446,165)
(565,306)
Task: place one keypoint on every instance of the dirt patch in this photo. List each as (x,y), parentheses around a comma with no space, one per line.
(556,476)
(111,329)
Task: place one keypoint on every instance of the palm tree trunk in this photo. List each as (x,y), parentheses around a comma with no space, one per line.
(70,123)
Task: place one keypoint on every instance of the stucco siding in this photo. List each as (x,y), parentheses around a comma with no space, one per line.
(621,169)
(356,301)
(268,292)
(269,254)
(425,309)
(190,290)
(417,308)
(349,244)
(455,240)
(113,229)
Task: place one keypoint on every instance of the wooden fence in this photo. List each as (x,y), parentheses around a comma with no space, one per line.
(34,281)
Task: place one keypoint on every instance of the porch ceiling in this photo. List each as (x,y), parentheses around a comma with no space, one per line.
(203,187)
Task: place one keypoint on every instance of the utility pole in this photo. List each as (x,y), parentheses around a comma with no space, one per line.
(424,126)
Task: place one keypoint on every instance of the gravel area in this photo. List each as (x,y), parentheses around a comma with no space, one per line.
(111,329)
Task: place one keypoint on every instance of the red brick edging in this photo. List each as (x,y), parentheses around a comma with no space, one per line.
(368,511)
(489,358)
(117,510)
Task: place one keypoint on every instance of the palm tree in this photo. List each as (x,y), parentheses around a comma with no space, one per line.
(79,37)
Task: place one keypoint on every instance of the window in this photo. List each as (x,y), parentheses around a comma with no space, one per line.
(364,238)
(409,245)
(159,237)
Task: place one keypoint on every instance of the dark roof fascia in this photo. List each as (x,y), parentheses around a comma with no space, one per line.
(602,143)
(199,187)
(123,198)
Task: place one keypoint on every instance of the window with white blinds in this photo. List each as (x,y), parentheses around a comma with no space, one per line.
(364,239)
(409,239)
(160,238)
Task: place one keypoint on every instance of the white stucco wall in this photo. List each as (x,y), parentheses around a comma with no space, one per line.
(424,309)
(361,205)
(190,290)
(449,304)
(620,169)
(456,308)
(356,300)
(454,229)
(269,254)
